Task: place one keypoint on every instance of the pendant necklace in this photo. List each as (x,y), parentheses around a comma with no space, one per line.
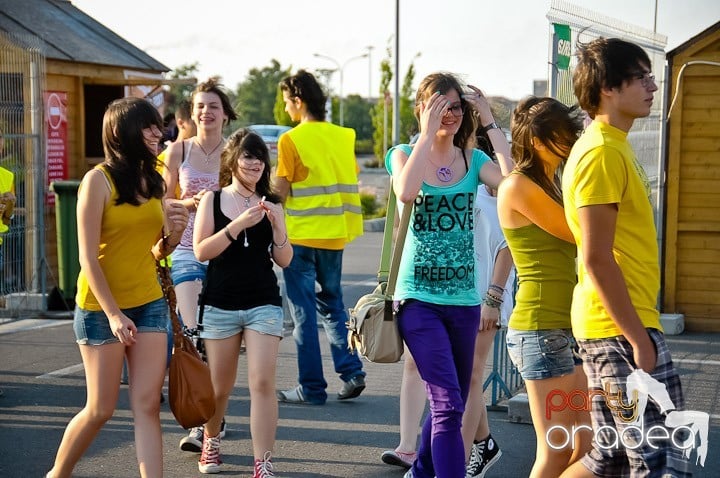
(246,198)
(445,173)
(237,206)
(207,155)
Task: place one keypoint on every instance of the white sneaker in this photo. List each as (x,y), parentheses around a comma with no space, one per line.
(193,441)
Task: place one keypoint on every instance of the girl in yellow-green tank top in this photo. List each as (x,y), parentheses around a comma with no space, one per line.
(539,339)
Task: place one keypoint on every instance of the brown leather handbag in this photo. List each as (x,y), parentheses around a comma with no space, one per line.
(191,394)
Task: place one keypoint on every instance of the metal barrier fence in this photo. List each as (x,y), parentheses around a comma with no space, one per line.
(504,380)
(22,82)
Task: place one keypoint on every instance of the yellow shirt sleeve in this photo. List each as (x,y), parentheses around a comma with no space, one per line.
(290,165)
(600,177)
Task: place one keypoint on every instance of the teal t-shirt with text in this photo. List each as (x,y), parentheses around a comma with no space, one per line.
(438,265)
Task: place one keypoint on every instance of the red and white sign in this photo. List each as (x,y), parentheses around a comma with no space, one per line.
(56,141)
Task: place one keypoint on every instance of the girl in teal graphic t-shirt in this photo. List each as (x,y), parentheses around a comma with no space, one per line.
(439,307)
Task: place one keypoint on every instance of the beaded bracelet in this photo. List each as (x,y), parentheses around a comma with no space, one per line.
(492,301)
(497,288)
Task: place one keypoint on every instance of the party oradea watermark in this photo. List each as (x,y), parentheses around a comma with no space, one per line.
(686,430)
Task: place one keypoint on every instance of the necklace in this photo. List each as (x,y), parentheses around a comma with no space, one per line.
(445,173)
(207,155)
(237,206)
(246,198)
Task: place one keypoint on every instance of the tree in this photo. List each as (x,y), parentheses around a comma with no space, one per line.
(408,122)
(256,96)
(382,112)
(281,116)
(177,93)
(357,116)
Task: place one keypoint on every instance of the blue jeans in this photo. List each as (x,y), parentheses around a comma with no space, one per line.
(309,265)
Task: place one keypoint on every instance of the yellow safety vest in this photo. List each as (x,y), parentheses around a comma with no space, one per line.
(325,205)
(6,185)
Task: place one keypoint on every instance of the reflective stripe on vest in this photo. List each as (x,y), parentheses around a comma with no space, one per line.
(325,205)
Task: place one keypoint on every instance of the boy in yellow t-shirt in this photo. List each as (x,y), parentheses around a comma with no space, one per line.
(607,206)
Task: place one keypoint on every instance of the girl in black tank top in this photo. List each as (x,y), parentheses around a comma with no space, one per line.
(241,230)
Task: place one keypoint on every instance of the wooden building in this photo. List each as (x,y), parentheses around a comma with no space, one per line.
(691,256)
(59,69)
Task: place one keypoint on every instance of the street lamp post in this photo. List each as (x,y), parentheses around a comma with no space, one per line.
(369,49)
(341,68)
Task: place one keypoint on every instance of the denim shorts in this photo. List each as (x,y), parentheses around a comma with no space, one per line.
(93,327)
(221,324)
(187,270)
(541,354)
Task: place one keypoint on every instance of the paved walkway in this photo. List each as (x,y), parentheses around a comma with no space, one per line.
(41,375)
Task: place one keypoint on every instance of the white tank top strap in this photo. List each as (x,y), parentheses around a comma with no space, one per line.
(187,150)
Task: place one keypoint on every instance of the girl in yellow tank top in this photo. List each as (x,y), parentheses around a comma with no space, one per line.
(120,311)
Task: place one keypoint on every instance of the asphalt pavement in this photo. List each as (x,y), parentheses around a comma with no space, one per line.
(43,383)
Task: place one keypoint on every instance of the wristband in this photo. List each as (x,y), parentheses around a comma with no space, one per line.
(487,128)
(228,235)
(282,244)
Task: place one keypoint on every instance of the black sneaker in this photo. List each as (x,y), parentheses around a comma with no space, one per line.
(223,428)
(352,388)
(193,441)
(483,455)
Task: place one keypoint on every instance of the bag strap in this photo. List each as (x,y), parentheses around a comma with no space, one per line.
(393,267)
(385,255)
(169,292)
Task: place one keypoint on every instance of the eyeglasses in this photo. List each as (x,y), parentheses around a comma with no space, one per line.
(457,109)
(646,78)
(249,158)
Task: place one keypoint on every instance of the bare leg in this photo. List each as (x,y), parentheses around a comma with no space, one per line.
(187,301)
(583,440)
(146,363)
(412,404)
(222,355)
(550,462)
(475,420)
(262,352)
(103,365)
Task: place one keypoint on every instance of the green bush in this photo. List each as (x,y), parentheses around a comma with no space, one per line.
(364,146)
(369,204)
(371,209)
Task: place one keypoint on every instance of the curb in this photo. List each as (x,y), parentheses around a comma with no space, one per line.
(374,225)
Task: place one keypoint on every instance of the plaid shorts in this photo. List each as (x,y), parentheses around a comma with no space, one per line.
(619,450)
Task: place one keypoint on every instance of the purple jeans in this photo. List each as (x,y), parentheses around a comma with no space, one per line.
(441,339)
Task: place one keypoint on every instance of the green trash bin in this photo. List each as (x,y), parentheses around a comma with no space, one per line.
(66,193)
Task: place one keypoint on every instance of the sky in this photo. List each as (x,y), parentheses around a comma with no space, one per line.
(499,46)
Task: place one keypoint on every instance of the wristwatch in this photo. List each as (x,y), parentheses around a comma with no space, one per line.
(487,128)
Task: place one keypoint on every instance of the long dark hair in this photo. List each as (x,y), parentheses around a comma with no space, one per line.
(444,82)
(127,158)
(245,141)
(556,125)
